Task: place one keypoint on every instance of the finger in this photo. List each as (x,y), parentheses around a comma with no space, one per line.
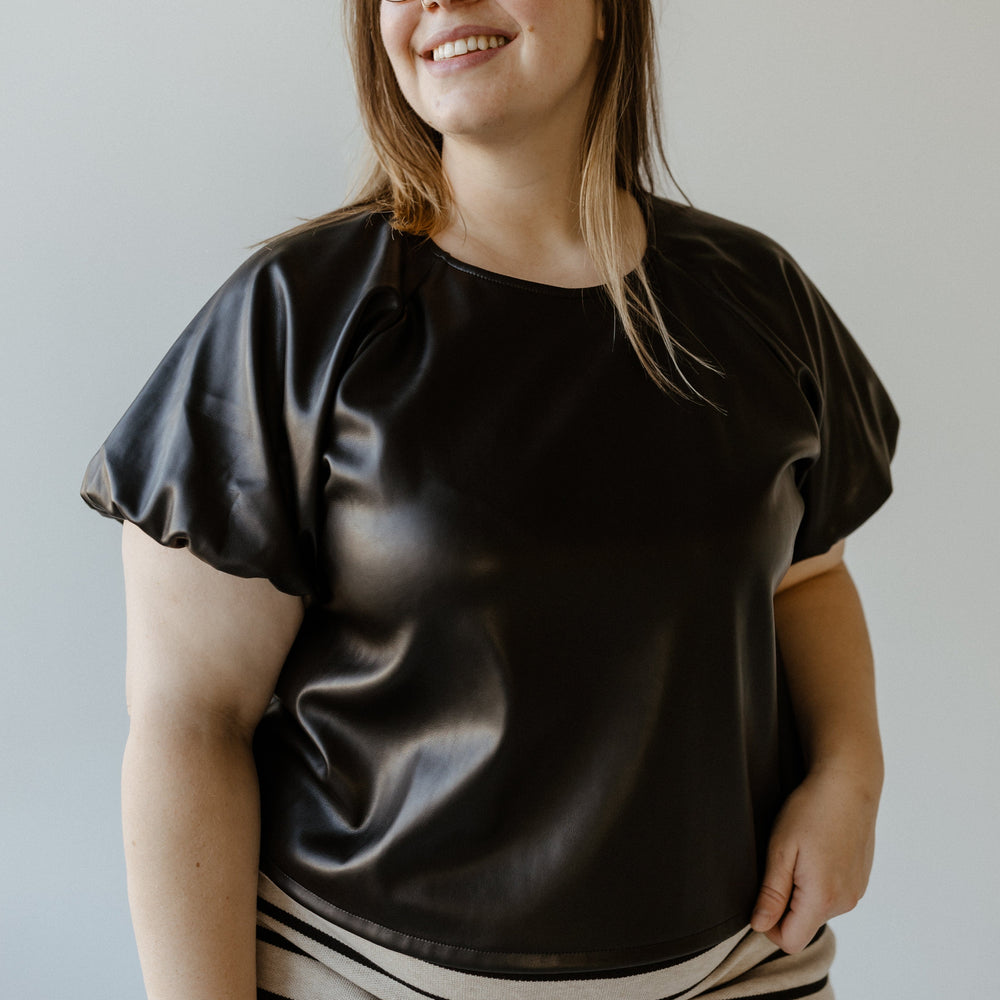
(796,929)
(775,891)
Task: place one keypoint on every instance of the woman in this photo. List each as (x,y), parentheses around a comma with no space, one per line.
(486,541)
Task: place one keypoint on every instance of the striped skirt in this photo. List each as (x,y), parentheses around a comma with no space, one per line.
(301,956)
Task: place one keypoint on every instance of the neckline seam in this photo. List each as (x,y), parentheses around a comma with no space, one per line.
(523,284)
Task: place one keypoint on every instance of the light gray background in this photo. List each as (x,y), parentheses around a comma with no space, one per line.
(145,146)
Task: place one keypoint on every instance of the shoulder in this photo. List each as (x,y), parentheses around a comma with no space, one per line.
(746,273)
(344,250)
(320,285)
(712,247)
(341,232)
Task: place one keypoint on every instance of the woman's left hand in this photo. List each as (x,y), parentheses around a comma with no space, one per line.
(819,857)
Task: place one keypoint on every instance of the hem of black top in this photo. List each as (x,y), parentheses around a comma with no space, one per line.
(508,963)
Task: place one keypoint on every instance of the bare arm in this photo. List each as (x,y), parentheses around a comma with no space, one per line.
(204,650)
(821,849)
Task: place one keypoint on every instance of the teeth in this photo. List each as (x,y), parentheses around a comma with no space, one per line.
(474,43)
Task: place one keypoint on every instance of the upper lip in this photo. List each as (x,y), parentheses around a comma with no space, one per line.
(461,31)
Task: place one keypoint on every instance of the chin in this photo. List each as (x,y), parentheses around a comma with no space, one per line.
(466,124)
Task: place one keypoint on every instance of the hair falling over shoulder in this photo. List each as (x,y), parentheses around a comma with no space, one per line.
(622,153)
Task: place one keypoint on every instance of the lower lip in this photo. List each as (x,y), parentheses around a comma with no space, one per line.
(443,67)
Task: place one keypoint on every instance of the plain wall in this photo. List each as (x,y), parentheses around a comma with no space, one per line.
(146,146)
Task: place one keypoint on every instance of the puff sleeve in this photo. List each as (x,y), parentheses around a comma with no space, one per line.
(849,479)
(203,456)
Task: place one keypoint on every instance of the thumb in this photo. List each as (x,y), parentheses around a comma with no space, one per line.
(775,890)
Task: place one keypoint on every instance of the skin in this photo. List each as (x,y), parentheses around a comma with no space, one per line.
(205,648)
(511,128)
(537,86)
(821,849)
(203,654)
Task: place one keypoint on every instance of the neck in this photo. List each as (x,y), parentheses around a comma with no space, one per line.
(516,207)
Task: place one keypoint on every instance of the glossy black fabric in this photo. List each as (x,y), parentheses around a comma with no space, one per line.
(535,717)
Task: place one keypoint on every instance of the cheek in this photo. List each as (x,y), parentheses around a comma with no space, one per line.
(393,29)
(396,25)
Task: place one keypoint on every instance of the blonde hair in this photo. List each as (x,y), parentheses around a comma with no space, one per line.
(622,148)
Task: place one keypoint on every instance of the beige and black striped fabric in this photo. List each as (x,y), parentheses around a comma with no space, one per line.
(301,956)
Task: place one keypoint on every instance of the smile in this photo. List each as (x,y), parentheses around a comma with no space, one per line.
(462,46)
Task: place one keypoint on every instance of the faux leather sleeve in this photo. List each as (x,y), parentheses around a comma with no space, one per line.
(849,479)
(202,457)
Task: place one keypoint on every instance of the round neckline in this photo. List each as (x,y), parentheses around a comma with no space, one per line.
(524,284)
(539,287)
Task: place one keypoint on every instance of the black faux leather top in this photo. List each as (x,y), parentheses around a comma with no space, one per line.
(534,718)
